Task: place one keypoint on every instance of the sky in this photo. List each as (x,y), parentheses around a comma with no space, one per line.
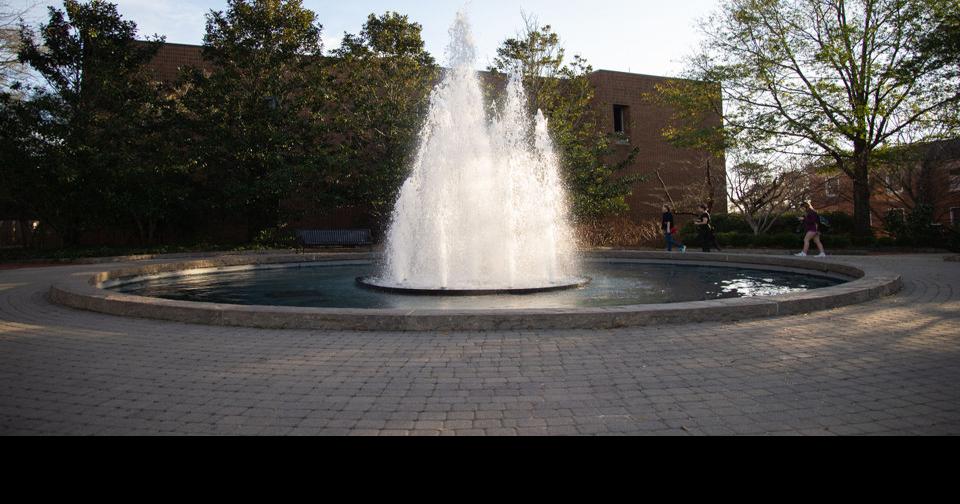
(640,36)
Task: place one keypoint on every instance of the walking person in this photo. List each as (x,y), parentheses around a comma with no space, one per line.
(811,226)
(705,230)
(670,231)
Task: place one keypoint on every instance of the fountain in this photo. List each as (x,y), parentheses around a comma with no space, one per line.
(482,217)
(484,210)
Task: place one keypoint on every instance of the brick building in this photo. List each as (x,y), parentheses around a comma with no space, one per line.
(625,111)
(622,102)
(928,172)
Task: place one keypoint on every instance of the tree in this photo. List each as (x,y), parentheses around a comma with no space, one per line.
(10,68)
(73,136)
(379,92)
(16,160)
(256,115)
(939,48)
(763,194)
(564,93)
(828,80)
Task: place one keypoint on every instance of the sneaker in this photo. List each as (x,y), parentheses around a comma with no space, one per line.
(822,255)
(801,254)
(683,249)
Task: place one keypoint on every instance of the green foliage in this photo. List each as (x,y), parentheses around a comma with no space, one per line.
(952,240)
(840,222)
(895,223)
(939,46)
(730,223)
(564,93)
(915,228)
(693,102)
(280,237)
(88,136)
(255,123)
(379,92)
(777,241)
(831,81)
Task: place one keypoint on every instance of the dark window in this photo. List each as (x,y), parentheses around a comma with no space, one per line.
(955,180)
(955,216)
(621,118)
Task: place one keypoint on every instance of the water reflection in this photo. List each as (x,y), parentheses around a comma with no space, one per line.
(614,284)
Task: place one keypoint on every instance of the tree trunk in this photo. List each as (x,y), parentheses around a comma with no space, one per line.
(140,231)
(710,189)
(152,232)
(861,196)
(25,227)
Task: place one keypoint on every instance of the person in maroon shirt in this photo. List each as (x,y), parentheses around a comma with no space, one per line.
(811,225)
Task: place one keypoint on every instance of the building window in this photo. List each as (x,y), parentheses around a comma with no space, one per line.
(955,216)
(832,187)
(955,180)
(892,182)
(621,119)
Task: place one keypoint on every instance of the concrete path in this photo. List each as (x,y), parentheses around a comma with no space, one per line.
(887,367)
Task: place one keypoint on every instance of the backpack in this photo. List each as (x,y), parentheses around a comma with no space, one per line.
(824,224)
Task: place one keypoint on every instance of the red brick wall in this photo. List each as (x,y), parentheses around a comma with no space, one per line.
(171,58)
(645,123)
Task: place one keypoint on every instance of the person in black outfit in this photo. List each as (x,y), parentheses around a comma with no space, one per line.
(705,230)
(669,227)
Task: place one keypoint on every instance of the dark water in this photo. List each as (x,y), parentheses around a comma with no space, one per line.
(614,284)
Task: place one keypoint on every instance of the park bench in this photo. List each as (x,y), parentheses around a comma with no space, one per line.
(334,238)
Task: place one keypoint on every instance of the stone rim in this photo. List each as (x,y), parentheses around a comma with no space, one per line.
(870,283)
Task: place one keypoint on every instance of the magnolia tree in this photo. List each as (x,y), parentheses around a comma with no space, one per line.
(85,128)
(255,120)
(379,84)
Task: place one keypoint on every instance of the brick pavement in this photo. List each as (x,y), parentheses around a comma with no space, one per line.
(887,367)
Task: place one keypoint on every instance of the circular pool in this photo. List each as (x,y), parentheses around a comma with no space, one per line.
(334,285)
(319,291)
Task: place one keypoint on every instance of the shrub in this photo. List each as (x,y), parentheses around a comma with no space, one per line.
(841,223)
(952,240)
(787,223)
(863,241)
(895,223)
(735,239)
(779,240)
(731,223)
(276,238)
(915,228)
(904,241)
(837,241)
(620,232)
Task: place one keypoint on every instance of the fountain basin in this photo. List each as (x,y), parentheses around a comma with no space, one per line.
(86,292)
(375,284)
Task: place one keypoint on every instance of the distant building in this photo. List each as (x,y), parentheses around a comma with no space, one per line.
(926,172)
(631,120)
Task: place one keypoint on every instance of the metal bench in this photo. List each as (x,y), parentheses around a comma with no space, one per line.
(341,238)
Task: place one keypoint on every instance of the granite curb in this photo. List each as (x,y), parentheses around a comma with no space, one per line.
(84,292)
